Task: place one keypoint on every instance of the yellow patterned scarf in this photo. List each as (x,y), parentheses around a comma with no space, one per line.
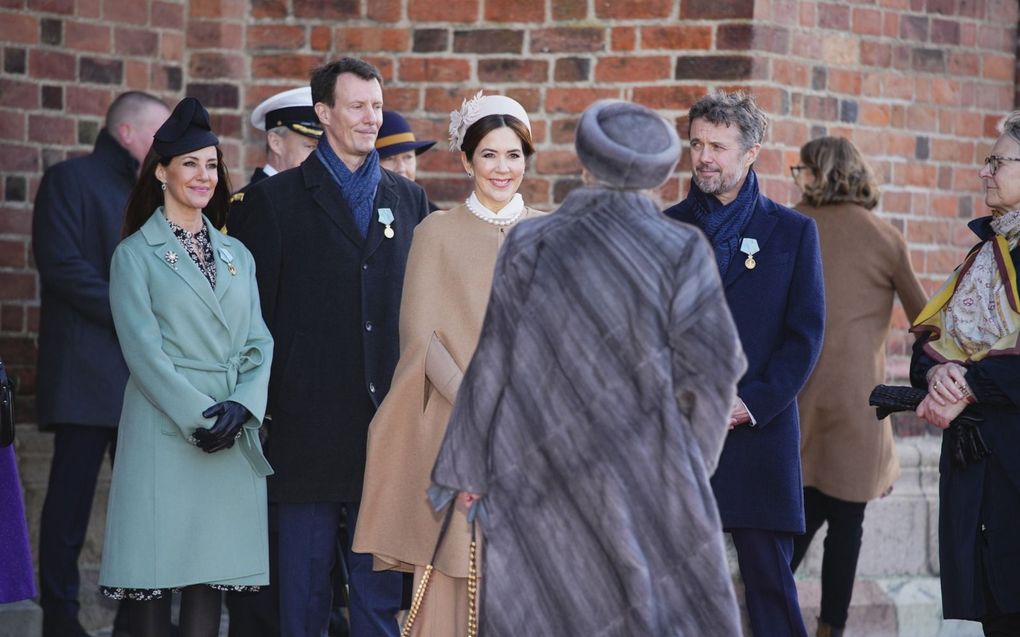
(976,313)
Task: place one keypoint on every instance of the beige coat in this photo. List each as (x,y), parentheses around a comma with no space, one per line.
(846,452)
(446,291)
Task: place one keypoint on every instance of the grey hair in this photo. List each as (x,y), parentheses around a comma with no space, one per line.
(1011,126)
(128,105)
(730,109)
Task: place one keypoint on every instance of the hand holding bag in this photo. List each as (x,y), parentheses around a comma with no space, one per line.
(6,407)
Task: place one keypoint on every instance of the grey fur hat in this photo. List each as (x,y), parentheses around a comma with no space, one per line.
(626,145)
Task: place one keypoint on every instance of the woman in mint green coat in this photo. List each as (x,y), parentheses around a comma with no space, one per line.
(187,505)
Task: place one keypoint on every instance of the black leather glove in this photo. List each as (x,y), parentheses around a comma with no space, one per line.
(966,446)
(230,417)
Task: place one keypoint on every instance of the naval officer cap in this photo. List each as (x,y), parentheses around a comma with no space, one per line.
(626,145)
(292,109)
(186,129)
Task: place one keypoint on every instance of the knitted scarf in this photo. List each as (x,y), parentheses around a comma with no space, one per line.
(359,187)
(723,224)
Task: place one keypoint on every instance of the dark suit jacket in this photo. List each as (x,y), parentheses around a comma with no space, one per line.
(79,210)
(332,301)
(779,309)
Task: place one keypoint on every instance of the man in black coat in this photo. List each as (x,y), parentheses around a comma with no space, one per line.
(79,210)
(330,240)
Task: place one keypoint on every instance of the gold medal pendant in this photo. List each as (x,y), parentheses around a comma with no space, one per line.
(749,263)
(388,232)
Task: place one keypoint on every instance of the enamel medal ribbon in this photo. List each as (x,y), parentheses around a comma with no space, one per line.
(228,258)
(386,218)
(749,247)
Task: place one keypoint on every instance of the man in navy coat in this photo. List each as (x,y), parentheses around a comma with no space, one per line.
(771,270)
(330,240)
(79,210)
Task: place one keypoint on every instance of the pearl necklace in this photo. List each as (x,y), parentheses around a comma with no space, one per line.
(513,209)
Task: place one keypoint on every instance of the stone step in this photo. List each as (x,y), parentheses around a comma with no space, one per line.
(20,619)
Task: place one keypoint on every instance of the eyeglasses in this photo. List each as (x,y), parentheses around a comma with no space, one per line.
(994,161)
(795,170)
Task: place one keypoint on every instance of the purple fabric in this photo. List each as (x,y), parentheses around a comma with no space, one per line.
(17,581)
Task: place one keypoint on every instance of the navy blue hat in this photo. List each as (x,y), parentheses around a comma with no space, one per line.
(186,130)
(396,136)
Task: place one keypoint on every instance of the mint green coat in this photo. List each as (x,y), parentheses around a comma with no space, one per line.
(177,515)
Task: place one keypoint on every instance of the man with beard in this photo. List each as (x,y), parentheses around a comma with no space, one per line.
(770,264)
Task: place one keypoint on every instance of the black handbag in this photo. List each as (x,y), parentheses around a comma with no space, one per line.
(6,407)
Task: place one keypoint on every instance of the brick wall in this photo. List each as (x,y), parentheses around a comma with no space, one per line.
(917,84)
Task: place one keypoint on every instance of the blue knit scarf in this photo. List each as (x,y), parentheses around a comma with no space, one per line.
(723,225)
(359,187)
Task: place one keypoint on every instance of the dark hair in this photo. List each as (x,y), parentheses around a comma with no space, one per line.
(323,80)
(477,131)
(147,195)
(127,105)
(841,174)
(732,109)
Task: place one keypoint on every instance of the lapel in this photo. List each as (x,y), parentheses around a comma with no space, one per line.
(385,197)
(763,221)
(161,239)
(223,248)
(326,193)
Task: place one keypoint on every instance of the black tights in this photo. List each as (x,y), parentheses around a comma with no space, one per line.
(200,614)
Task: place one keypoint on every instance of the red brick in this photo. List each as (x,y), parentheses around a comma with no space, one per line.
(17,220)
(233,8)
(713,67)
(676,37)
(872,114)
(558,162)
(12,317)
(530,99)
(382,63)
(568,39)
(269,8)
(47,64)
(834,16)
(82,36)
(18,28)
(488,41)
(945,90)
(672,97)
(293,66)
(167,15)
(563,130)
(17,286)
(356,39)
(572,69)
(32,320)
(88,8)
(208,66)
(321,38)
(570,9)
(137,74)
(716,9)
(65,7)
(12,125)
(999,67)
(19,94)
(80,100)
(135,41)
(202,34)
(171,46)
(432,11)
(891,24)
(787,72)
(442,70)
(875,54)
(633,68)
(51,129)
(385,10)
(866,21)
(807,16)
(623,38)
(634,9)
(575,100)
(963,63)
(921,118)
(843,81)
(275,36)
(519,11)
(126,11)
(13,254)
(945,32)
(512,70)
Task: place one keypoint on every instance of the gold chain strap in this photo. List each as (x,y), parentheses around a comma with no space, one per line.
(419,595)
(472,586)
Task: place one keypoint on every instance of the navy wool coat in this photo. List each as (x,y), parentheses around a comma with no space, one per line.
(79,210)
(779,309)
(331,299)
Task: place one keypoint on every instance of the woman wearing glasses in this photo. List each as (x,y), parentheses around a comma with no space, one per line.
(848,458)
(966,356)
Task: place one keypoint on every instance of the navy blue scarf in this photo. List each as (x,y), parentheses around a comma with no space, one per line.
(723,225)
(359,187)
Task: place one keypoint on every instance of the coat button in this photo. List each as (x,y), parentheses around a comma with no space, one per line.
(368,326)
(364,266)
(371,387)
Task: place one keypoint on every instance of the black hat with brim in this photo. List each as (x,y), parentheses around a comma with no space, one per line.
(187,129)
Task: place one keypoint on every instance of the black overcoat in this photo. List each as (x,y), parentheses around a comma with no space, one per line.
(79,211)
(979,505)
(332,301)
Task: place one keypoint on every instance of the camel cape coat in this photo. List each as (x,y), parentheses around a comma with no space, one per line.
(446,289)
(591,417)
(845,452)
(178,515)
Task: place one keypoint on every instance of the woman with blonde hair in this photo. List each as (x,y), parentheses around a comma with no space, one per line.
(446,289)
(848,458)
